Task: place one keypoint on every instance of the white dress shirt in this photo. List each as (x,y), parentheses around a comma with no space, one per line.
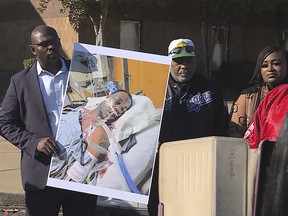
(53,88)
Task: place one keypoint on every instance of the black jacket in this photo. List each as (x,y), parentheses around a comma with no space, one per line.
(23,122)
(197,110)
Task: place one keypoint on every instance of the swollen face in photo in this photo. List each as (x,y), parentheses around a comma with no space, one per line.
(115,105)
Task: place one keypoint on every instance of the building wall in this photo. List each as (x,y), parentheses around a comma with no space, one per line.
(17,19)
(246,42)
(248,32)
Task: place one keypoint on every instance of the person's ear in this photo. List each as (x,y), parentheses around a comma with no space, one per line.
(32,49)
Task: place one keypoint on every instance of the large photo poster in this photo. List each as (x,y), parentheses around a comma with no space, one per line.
(109,128)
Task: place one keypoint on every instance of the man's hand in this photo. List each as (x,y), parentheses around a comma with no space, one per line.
(48,146)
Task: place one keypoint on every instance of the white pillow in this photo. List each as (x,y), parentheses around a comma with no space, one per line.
(141,115)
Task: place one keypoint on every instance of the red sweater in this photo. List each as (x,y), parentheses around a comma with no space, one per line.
(269,117)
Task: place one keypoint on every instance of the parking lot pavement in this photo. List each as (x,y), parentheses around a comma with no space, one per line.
(10,181)
(11,192)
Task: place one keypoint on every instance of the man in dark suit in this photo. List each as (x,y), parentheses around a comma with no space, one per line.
(29,119)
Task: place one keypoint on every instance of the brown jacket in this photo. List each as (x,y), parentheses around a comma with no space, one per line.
(244,108)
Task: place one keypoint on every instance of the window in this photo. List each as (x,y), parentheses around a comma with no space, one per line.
(221,48)
(130,35)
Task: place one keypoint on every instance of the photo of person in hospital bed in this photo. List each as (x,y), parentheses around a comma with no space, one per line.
(108,142)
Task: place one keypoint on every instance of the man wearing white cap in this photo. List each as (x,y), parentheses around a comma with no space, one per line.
(194,106)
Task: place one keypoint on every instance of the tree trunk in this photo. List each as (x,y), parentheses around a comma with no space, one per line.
(209,36)
(100,35)
(204,48)
(209,39)
(204,35)
(281,22)
(280,26)
(99,23)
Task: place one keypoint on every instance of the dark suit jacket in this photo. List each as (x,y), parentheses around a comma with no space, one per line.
(23,122)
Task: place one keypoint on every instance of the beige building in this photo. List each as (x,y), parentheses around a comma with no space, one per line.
(17,19)
(130,26)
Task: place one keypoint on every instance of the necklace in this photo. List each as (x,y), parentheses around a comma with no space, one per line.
(182,97)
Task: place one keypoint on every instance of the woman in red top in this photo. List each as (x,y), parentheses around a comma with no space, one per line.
(269,117)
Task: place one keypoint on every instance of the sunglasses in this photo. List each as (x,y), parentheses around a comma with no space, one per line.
(178,50)
(45,44)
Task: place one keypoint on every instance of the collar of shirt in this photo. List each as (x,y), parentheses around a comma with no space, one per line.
(176,89)
(62,69)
